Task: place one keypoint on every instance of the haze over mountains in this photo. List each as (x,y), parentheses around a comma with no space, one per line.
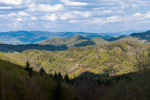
(27,40)
(30,37)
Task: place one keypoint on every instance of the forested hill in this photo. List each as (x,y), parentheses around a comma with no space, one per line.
(53,44)
(76,41)
(143,35)
(112,58)
(113,70)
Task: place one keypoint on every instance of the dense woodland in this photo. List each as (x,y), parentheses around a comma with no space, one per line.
(110,71)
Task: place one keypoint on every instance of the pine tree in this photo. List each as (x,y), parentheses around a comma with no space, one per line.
(28,68)
(58,91)
(67,78)
(42,71)
(55,76)
(59,76)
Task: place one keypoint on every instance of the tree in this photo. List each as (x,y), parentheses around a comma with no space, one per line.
(42,71)
(55,76)
(28,68)
(67,78)
(58,91)
(59,76)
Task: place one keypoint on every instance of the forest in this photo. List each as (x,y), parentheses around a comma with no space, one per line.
(110,71)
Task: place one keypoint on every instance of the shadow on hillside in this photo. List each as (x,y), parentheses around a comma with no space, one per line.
(84,43)
(90,75)
(21,48)
(114,39)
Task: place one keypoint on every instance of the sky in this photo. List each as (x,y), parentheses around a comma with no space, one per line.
(74,15)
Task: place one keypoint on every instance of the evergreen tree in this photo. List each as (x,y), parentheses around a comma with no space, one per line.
(67,78)
(30,71)
(99,81)
(55,76)
(42,71)
(58,91)
(28,68)
(59,76)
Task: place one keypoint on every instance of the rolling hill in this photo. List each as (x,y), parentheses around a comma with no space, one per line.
(76,40)
(30,37)
(112,58)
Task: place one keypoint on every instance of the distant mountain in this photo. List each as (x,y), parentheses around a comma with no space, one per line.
(19,37)
(30,37)
(99,40)
(76,40)
(128,32)
(21,48)
(58,44)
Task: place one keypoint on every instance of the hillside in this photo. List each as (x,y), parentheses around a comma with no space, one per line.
(76,40)
(30,37)
(20,37)
(112,58)
(99,40)
(111,70)
(128,38)
(144,35)
(19,85)
(21,48)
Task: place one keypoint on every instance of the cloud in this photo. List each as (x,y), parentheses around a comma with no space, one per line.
(33,18)
(67,2)
(11,2)
(107,11)
(22,13)
(68,15)
(49,8)
(137,14)
(12,14)
(147,15)
(51,17)
(19,19)
(5,7)
(2,15)
(74,14)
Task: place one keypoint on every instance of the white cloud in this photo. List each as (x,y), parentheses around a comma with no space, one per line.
(11,2)
(11,14)
(68,15)
(33,18)
(5,7)
(107,11)
(74,14)
(49,8)
(77,21)
(19,19)
(51,17)
(138,14)
(113,19)
(2,15)
(147,15)
(83,14)
(22,13)
(67,2)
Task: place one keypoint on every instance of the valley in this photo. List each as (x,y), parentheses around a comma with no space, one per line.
(80,65)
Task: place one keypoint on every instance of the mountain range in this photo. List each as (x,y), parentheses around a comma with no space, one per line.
(61,44)
(30,37)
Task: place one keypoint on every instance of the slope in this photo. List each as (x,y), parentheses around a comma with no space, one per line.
(112,58)
(17,84)
(76,40)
